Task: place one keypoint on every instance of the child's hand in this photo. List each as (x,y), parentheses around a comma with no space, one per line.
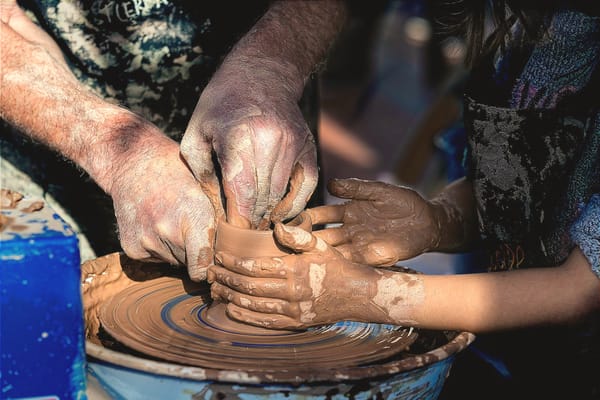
(314,287)
(381,224)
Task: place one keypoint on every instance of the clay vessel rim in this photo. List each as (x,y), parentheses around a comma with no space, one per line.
(302,220)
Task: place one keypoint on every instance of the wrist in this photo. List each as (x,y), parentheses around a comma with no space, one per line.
(397,297)
(124,138)
(262,74)
(448,224)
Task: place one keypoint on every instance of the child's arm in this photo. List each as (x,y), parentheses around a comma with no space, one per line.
(320,286)
(510,299)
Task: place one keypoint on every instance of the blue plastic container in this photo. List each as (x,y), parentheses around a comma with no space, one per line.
(41,329)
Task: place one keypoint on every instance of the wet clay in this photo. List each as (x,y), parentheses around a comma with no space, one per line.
(166,318)
(170,318)
(244,242)
(11,200)
(118,292)
(8,199)
(315,286)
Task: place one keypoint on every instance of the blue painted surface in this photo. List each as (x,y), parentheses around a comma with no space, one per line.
(41,332)
(124,383)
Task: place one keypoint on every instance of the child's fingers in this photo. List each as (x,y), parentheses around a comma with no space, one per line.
(300,240)
(358,189)
(382,253)
(253,303)
(333,236)
(271,321)
(262,267)
(330,214)
(265,287)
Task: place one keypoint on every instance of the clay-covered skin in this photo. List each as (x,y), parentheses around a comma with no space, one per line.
(315,286)
(162,212)
(249,116)
(381,224)
(261,141)
(167,205)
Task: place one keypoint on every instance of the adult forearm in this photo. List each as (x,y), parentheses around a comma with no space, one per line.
(42,98)
(292,38)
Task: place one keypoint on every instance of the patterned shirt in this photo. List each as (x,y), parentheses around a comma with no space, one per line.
(151,56)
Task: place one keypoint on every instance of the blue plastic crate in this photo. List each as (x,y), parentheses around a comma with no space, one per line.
(41,318)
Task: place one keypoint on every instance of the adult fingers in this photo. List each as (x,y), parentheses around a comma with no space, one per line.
(199,236)
(279,202)
(196,151)
(199,263)
(142,243)
(303,182)
(240,178)
(212,188)
(199,259)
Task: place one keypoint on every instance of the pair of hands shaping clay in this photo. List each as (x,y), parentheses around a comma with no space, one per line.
(327,275)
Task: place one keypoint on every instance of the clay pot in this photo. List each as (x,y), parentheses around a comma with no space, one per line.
(243,242)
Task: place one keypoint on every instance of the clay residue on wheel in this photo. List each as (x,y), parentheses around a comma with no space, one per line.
(111,278)
(166,319)
(105,277)
(9,198)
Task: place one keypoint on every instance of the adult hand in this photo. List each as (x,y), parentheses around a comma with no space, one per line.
(314,287)
(248,115)
(163,214)
(381,224)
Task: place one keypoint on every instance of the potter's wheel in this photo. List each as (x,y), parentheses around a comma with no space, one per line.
(168,318)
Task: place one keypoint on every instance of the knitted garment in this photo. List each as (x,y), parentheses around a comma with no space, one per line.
(560,73)
(561,64)
(586,232)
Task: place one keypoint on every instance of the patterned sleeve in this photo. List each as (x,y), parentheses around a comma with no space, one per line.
(586,232)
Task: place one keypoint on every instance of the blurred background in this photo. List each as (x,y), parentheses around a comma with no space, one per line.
(391,105)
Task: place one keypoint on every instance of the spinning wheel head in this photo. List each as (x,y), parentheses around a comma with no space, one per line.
(167,318)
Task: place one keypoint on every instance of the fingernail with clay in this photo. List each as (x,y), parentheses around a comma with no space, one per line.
(219,258)
(341,185)
(300,236)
